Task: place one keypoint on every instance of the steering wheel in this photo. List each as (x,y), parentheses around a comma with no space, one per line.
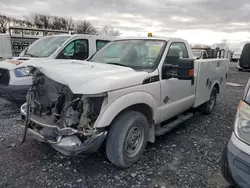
(148,61)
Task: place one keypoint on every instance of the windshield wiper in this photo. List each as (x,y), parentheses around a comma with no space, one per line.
(30,55)
(119,64)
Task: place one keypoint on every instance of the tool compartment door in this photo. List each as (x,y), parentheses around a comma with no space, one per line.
(209,72)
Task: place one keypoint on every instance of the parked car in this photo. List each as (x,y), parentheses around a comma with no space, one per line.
(236,55)
(235,160)
(123,96)
(244,62)
(15,79)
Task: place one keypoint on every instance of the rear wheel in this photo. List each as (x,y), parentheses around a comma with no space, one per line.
(127,139)
(207,108)
(225,168)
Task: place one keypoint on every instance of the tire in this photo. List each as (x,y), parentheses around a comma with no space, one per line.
(207,107)
(128,131)
(225,170)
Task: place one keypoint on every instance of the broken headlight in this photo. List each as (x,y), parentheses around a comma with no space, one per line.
(242,122)
(22,72)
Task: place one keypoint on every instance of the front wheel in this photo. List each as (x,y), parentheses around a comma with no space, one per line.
(207,108)
(127,138)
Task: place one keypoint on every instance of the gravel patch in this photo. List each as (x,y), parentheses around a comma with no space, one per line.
(186,157)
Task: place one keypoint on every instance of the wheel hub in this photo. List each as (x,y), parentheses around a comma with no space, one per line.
(134,141)
(212,101)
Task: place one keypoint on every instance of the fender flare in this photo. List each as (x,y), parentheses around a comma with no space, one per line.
(108,115)
(216,82)
(213,85)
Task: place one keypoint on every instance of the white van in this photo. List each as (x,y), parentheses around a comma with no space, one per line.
(15,78)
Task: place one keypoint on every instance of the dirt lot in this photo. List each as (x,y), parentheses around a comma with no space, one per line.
(186,157)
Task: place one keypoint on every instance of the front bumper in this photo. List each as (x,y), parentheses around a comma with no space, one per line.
(239,161)
(65,140)
(14,93)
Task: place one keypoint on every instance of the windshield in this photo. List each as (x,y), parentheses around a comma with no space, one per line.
(45,46)
(137,54)
(197,53)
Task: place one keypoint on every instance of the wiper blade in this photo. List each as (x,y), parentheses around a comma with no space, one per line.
(30,55)
(119,64)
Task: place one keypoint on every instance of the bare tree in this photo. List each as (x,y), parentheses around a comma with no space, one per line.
(70,24)
(109,31)
(54,22)
(59,23)
(4,20)
(201,46)
(45,20)
(85,27)
(28,23)
(41,21)
(36,21)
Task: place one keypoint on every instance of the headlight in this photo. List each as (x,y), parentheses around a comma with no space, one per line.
(22,72)
(242,122)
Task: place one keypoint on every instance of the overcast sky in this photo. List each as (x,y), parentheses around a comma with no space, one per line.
(198,21)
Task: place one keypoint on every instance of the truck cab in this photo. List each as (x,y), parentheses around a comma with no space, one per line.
(15,78)
(199,54)
(125,95)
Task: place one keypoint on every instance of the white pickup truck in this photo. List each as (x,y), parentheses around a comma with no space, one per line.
(126,94)
(15,79)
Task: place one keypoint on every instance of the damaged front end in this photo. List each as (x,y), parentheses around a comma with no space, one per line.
(65,120)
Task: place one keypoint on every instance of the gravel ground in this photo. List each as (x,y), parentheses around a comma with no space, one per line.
(188,156)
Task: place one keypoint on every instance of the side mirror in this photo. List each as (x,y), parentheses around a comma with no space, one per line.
(64,55)
(183,70)
(80,55)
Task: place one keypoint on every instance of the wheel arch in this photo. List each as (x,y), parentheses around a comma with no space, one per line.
(143,108)
(217,86)
(138,101)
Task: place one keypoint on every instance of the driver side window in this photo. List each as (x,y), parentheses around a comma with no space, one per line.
(77,49)
(176,51)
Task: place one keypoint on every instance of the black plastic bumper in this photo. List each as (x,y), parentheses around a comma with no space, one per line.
(16,94)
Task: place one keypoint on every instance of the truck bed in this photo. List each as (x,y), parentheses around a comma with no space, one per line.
(208,73)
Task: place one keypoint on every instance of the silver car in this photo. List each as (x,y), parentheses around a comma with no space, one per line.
(235,161)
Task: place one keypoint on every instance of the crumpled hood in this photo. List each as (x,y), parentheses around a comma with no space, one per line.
(84,77)
(13,62)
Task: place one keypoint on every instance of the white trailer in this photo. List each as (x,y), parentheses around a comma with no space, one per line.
(5,46)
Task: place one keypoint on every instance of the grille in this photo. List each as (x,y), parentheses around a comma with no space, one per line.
(4,77)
